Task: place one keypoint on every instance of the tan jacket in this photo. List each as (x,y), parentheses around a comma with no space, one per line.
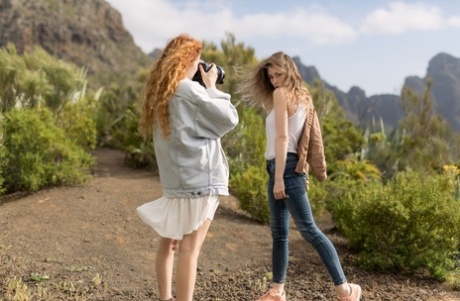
(310,149)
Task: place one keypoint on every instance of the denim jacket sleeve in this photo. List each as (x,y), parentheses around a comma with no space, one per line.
(215,115)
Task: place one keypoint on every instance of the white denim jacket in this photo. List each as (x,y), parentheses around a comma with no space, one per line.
(191,161)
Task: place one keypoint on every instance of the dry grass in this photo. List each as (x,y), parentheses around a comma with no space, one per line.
(19,284)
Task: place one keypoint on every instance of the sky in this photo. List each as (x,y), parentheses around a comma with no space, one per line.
(372,44)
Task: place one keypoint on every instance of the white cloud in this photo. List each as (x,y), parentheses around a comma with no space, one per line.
(317,28)
(401,17)
(155,21)
(454,21)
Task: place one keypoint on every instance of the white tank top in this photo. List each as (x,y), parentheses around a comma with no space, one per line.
(295,126)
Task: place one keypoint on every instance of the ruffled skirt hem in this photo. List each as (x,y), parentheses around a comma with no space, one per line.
(174,218)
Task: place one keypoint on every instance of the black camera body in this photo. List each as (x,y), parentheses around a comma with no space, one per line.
(206,67)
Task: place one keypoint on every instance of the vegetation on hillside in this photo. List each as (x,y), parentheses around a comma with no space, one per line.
(47,125)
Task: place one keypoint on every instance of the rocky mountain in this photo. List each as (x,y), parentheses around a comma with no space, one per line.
(155,53)
(89,33)
(443,70)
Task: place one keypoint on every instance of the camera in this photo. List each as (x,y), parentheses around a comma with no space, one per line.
(206,67)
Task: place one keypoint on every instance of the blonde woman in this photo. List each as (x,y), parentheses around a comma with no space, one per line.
(293,142)
(187,121)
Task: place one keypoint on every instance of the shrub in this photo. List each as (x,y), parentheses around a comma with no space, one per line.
(2,159)
(2,154)
(248,174)
(142,156)
(317,196)
(250,187)
(76,119)
(38,154)
(37,78)
(249,135)
(410,224)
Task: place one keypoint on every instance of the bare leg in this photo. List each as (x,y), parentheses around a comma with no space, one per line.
(164,266)
(187,262)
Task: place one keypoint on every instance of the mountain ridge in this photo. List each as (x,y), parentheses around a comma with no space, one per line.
(443,69)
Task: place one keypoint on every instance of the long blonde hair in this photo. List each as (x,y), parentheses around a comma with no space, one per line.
(164,78)
(257,89)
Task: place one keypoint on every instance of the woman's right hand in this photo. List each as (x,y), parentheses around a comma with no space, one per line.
(279,191)
(210,77)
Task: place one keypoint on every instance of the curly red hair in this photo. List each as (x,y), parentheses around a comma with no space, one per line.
(164,78)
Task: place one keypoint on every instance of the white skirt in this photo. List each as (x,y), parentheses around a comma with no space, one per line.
(174,218)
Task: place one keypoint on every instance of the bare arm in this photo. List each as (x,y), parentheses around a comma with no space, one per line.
(281,141)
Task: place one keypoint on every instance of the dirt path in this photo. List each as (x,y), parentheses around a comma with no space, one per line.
(92,246)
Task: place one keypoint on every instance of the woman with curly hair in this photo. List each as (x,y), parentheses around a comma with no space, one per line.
(187,121)
(294,142)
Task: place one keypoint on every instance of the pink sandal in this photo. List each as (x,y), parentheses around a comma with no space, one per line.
(355,294)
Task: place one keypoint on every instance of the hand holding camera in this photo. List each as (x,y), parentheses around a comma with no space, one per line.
(209,74)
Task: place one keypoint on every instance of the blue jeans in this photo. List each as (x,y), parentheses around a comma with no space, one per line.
(297,205)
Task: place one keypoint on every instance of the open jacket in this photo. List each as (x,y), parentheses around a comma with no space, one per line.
(310,149)
(191,161)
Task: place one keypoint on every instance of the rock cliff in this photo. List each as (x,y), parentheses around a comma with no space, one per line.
(89,33)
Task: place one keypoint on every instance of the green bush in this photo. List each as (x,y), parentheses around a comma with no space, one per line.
(248,174)
(250,187)
(2,159)
(142,156)
(38,154)
(317,196)
(410,224)
(76,119)
(37,78)
(2,154)
(139,153)
(249,136)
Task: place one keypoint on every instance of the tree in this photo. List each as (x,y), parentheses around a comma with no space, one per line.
(233,57)
(426,136)
(340,137)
